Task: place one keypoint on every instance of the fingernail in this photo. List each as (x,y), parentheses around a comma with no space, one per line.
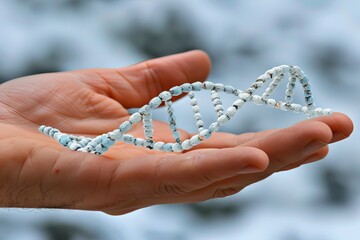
(312,147)
(250,169)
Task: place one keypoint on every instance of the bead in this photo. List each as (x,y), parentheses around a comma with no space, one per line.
(116,134)
(158,145)
(125,126)
(139,142)
(165,96)
(175,91)
(186,87)
(195,109)
(128,138)
(41,128)
(168,147)
(74,146)
(328,111)
(257,99)
(64,139)
(214,127)
(245,96)
(296,107)
(209,85)
(283,106)
(194,140)
(231,111)
(238,103)
(144,110)
(135,118)
(186,145)
(107,141)
(219,87)
(177,147)
(229,89)
(205,134)
(223,119)
(155,102)
(197,86)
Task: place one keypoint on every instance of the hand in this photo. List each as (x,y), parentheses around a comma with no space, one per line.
(35,171)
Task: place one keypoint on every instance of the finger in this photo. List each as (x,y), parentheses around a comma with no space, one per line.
(316,156)
(340,124)
(289,145)
(229,140)
(134,86)
(283,147)
(176,175)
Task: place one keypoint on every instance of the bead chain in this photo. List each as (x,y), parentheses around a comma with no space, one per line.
(101,143)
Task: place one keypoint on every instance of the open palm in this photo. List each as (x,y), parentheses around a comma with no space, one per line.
(35,171)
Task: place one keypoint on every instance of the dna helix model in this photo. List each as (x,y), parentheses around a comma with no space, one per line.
(101,143)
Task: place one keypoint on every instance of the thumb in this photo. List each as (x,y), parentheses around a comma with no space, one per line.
(136,85)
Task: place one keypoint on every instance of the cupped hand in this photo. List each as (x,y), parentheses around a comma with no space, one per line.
(35,171)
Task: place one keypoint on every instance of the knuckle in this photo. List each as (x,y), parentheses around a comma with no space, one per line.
(225,192)
(170,189)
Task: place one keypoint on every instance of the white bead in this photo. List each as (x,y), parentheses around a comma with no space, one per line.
(239,103)
(318,111)
(139,142)
(214,127)
(155,102)
(74,146)
(218,108)
(271,102)
(283,107)
(165,96)
(158,145)
(209,85)
(197,116)
(195,109)
(135,118)
(296,107)
(223,119)
(231,111)
(194,140)
(219,87)
(328,111)
(257,99)
(177,147)
(304,109)
(245,96)
(186,144)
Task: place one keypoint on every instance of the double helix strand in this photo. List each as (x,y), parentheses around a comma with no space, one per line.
(101,143)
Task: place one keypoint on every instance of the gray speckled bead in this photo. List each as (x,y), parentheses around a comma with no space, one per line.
(125,126)
(186,144)
(155,102)
(165,96)
(135,118)
(197,86)
(175,91)
(186,87)
(214,127)
(159,146)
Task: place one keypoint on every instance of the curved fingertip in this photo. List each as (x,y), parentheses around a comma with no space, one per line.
(343,126)
(340,124)
(203,57)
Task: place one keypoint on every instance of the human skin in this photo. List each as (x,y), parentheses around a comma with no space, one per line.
(37,172)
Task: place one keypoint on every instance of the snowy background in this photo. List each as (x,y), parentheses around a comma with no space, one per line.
(244,39)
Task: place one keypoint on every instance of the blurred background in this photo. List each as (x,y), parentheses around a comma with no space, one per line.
(244,39)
